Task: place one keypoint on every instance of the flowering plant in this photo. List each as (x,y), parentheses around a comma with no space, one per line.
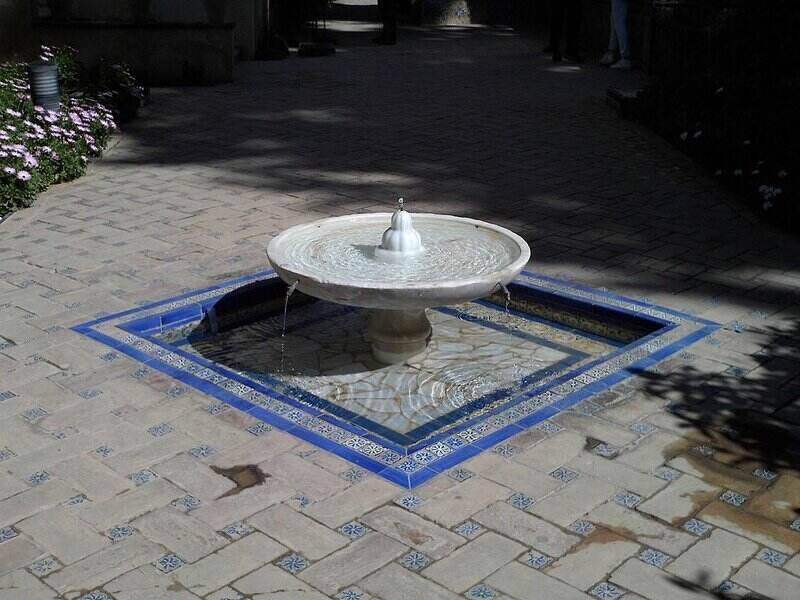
(39,147)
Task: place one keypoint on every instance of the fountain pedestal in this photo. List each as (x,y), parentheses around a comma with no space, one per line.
(397,335)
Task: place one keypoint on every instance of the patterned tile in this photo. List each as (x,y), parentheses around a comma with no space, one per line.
(353,475)
(765,474)
(143,476)
(481,592)
(733,498)
(353,530)
(187,502)
(703,450)
(520,500)
(38,478)
(733,590)
(109,357)
(89,394)
(654,557)
(549,427)
(351,593)
(103,451)
(176,391)
(292,563)
(564,474)
(605,450)
(96,595)
(668,474)
(772,557)
(202,451)
(642,428)
(33,414)
(606,591)
(537,560)
(237,530)
(120,532)
(697,527)
(44,566)
(795,525)
(414,561)
(169,563)
(460,474)
(7,395)
(259,429)
(469,529)
(409,501)
(140,373)
(5,454)
(160,430)
(627,499)
(506,450)
(581,527)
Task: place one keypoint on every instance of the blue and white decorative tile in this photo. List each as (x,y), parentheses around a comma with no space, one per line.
(143,476)
(169,563)
(160,429)
(642,428)
(353,530)
(481,592)
(409,501)
(353,475)
(668,474)
(549,427)
(6,454)
(581,527)
(202,451)
(352,593)
(7,395)
(104,451)
(238,530)
(468,529)
(75,500)
(109,357)
(733,498)
(564,474)
(697,527)
(90,393)
(120,532)
(520,500)
(460,474)
(606,591)
(654,557)
(301,501)
(34,414)
(176,390)
(259,429)
(216,408)
(605,450)
(733,590)
(627,499)
(703,450)
(187,502)
(141,373)
(292,563)
(537,560)
(765,474)
(772,557)
(7,533)
(506,450)
(44,566)
(414,561)
(38,478)
(96,595)
(795,525)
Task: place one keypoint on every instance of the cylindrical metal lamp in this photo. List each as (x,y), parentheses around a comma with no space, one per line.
(44,85)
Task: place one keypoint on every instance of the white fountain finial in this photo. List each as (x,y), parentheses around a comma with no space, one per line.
(401,241)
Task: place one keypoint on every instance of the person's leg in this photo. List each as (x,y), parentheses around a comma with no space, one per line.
(574,18)
(609,58)
(619,13)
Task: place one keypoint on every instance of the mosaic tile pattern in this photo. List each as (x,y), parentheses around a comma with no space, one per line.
(697,527)
(469,529)
(292,563)
(493,412)
(537,560)
(772,557)
(169,563)
(414,561)
(353,530)
(44,566)
(481,592)
(654,557)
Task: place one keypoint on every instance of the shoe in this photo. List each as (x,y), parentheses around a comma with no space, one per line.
(622,63)
(608,58)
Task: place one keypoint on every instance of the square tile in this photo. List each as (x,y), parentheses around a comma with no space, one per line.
(537,560)
(765,474)
(202,451)
(654,557)
(606,591)
(96,595)
(506,450)
(697,527)
(353,475)
(460,474)
(481,592)
(581,527)
(6,454)
(703,450)
(176,391)
(627,499)
(7,395)
(642,428)
(605,450)
(89,394)
(353,530)
(216,408)
(772,557)
(795,525)
(549,427)
(34,414)
(38,478)
(142,477)
(668,474)
(520,500)
(564,474)
(75,500)
(292,563)
(414,561)
(468,529)
(733,498)
(160,430)
(409,501)
(259,429)
(103,451)
(352,593)
(187,502)
(44,566)
(120,532)
(169,563)
(238,530)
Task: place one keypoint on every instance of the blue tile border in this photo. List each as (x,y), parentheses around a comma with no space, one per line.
(405,461)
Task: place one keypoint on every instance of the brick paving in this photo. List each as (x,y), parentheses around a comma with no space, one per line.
(104,493)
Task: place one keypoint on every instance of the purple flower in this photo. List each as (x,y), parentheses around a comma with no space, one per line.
(24,176)
(9,171)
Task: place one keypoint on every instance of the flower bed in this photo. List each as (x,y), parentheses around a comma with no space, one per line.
(39,147)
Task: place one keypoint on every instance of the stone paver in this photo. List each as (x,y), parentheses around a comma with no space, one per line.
(470,123)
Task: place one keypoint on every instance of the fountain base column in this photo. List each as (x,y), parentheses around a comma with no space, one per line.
(397,335)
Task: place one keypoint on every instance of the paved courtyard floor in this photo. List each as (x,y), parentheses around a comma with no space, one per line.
(119,482)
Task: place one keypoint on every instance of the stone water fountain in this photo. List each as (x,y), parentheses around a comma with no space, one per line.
(399,272)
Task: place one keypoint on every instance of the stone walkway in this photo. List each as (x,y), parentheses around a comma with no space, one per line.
(700,488)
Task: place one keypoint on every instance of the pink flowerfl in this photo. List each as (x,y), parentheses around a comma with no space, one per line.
(30,161)
(38,109)
(11,128)
(3,154)
(24,176)
(9,171)
(93,148)
(13,113)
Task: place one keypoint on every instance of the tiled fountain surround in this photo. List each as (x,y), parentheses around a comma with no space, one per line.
(550,375)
